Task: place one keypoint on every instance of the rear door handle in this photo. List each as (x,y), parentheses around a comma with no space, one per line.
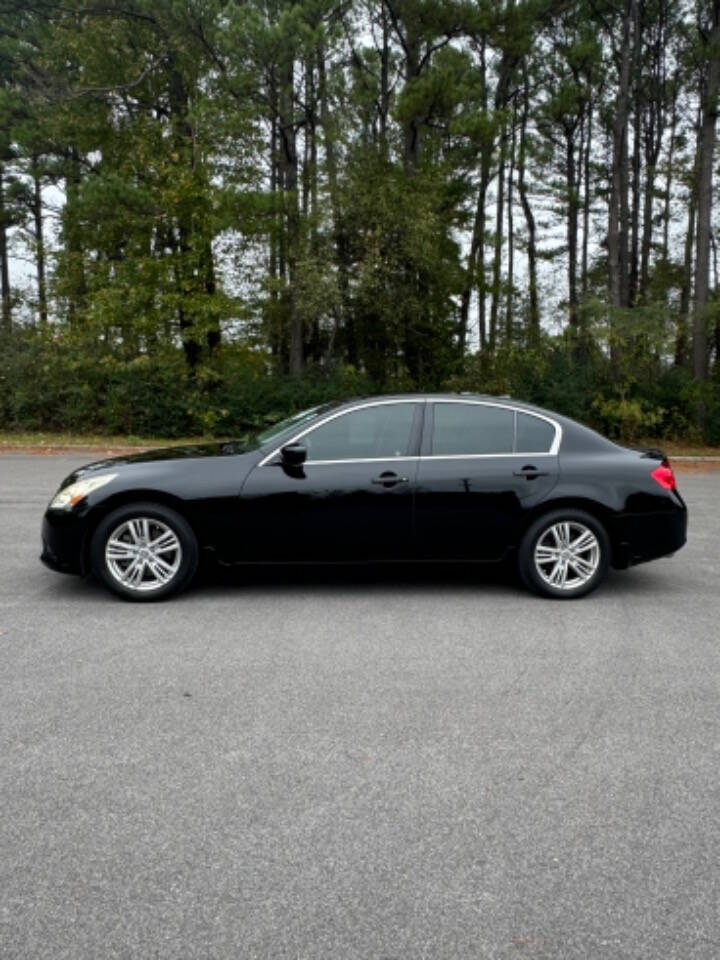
(389,479)
(529,473)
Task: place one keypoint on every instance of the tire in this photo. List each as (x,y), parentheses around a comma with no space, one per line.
(144,552)
(543,556)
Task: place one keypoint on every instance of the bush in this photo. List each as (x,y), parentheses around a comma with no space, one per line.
(62,382)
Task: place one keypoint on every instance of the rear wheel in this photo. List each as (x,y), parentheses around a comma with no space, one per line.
(144,551)
(564,554)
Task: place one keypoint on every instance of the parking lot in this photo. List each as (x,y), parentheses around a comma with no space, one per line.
(396,763)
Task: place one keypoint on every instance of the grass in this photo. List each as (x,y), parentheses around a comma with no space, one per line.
(51,440)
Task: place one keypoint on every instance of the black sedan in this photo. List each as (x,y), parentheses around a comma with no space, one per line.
(402,478)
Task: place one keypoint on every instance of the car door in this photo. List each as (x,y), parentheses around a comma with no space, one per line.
(352,498)
(483,466)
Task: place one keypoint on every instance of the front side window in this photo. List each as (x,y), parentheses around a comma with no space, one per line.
(372,433)
(466,429)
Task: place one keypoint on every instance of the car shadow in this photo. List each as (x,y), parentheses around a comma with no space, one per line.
(644,580)
(410,578)
(391,576)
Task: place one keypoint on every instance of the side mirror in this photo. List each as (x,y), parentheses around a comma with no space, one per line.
(293,454)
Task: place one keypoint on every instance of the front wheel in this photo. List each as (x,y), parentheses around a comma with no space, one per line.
(144,551)
(564,554)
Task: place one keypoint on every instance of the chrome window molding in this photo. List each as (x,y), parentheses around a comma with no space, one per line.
(323,463)
(552,452)
(340,413)
(440,456)
(483,456)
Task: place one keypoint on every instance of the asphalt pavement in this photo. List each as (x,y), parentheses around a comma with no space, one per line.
(388,764)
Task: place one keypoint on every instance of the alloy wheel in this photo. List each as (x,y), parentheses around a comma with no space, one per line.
(143,554)
(567,555)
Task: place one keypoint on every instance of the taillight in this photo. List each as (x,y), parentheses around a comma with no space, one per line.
(664,476)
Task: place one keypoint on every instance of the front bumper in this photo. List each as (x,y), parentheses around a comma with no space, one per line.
(63,542)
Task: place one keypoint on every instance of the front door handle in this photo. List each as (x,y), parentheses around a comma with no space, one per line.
(529,472)
(389,479)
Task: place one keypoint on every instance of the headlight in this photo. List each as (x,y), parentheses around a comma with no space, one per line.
(73,494)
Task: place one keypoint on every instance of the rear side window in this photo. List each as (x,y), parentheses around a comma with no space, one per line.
(533,434)
(469,428)
(373,433)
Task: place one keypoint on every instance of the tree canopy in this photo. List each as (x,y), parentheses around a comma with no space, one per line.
(214,212)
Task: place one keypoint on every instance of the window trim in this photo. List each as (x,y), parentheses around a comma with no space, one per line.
(424,403)
(420,402)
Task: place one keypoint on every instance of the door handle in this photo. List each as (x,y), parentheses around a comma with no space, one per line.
(529,473)
(389,479)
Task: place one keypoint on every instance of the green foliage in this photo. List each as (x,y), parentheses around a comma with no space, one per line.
(62,382)
(625,418)
(50,383)
(312,186)
(579,379)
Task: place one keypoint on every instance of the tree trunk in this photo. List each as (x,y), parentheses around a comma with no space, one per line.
(276,265)
(572,227)
(37,213)
(474,256)
(289,168)
(412,132)
(476,261)
(345,321)
(634,271)
(384,106)
(618,207)
(653,132)
(533,307)
(587,201)
(511,235)
(5,309)
(706,144)
(647,229)
(681,339)
(73,239)
(497,245)
(668,182)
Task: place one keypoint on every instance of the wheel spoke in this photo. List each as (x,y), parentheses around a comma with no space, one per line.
(161,572)
(583,567)
(162,564)
(134,572)
(165,542)
(547,554)
(135,530)
(583,542)
(557,573)
(120,550)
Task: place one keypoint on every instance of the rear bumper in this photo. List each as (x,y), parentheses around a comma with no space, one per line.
(638,538)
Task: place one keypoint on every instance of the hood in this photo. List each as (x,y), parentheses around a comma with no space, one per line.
(195,451)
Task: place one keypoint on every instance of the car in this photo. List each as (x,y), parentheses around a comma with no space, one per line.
(450,477)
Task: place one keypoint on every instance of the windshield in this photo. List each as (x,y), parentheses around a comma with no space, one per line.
(291,424)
